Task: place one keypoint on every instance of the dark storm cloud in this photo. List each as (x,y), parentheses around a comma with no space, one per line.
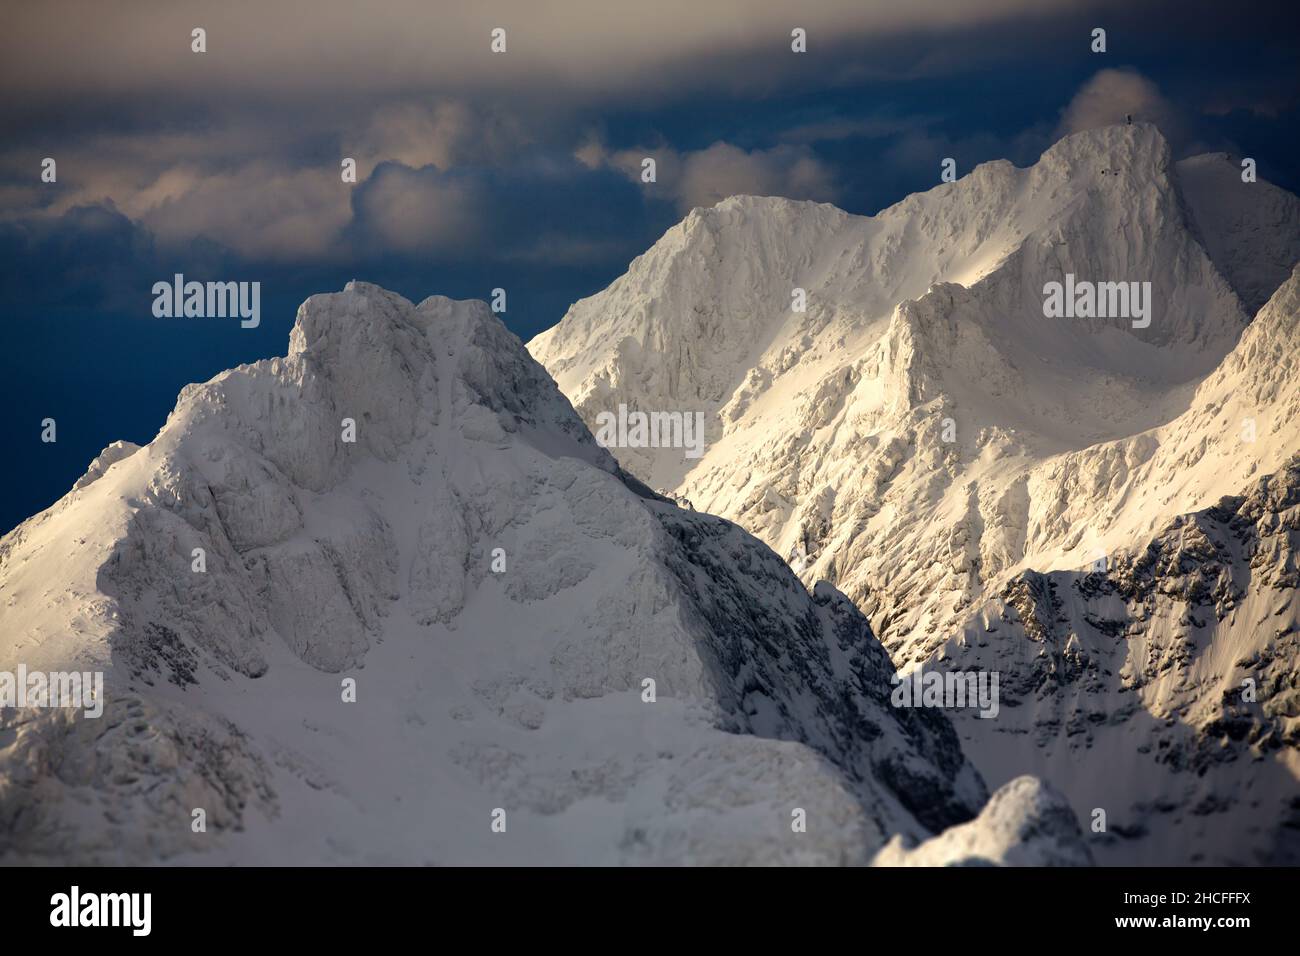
(241,145)
(589,47)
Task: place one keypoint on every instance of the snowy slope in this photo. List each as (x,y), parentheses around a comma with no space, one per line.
(372,560)
(1251,230)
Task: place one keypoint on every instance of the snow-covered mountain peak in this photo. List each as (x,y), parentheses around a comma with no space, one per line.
(928,430)
(395,562)
(747,310)
(1139,147)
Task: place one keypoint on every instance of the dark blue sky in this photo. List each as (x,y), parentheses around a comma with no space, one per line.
(224,165)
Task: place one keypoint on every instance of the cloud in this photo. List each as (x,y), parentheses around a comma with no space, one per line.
(89,254)
(260,210)
(443,134)
(270,48)
(723,170)
(417,211)
(1267,104)
(842,128)
(434,179)
(541,208)
(193,183)
(1111,96)
(705,177)
(288,201)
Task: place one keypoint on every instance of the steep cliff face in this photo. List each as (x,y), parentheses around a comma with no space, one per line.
(362,602)
(1163,690)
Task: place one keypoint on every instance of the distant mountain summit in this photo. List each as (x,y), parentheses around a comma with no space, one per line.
(926,432)
(924,362)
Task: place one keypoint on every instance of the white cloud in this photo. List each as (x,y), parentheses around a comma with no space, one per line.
(281,204)
(260,210)
(723,170)
(1113,95)
(420,211)
(705,177)
(186,186)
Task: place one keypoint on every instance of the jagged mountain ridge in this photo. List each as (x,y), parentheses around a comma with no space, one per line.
(929,460)
(924,380)
(474,691)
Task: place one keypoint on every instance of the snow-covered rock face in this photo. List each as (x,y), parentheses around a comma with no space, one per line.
(1164,690)
(499,592)
(924,435)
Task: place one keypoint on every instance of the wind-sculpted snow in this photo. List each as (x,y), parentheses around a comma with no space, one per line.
(1025,823)
(499,592)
